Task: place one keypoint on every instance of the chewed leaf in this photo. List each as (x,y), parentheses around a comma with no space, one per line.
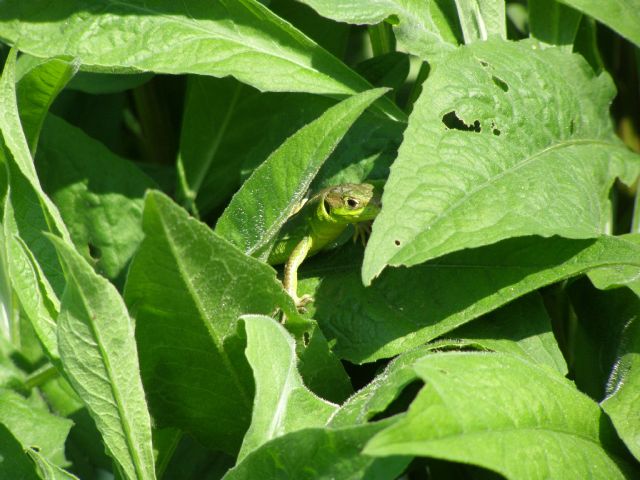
(506,141)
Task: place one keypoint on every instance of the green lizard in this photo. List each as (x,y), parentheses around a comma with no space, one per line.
(318,223)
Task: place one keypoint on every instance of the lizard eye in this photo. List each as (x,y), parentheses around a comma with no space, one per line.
(352,202)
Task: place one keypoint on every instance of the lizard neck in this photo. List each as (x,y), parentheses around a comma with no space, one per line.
(325,228)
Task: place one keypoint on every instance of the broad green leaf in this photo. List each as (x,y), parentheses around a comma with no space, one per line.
(618,275)
(481,19)
(317,453)
(36,91)
(623,401)
(187,287)
(14,462)
(99,194)
(527,149)
(99,356)
(39,302)
(34,426)
(623,16)
(282,403)
(387,318)
(522,328)
(276,187)
(241,38)
(48,470)
(424,28)
(553,23)
(476,409)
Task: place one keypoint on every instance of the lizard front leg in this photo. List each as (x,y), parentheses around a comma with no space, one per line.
(290,281)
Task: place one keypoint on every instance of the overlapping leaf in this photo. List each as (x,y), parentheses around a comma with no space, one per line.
(241,38)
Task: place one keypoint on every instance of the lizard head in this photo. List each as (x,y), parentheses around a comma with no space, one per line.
(353,203)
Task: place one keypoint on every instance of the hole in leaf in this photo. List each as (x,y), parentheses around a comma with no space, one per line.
(496,132)
(94,251)
(501,84)
(397,242)
(452,121)
(306,339)
(572,127)
(401,402)
(483,63)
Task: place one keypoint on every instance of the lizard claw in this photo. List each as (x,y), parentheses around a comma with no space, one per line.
(302,302)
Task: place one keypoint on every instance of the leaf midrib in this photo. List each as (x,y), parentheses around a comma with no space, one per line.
(122,411)
(202,312)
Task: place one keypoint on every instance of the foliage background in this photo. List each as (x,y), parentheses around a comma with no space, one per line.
(151,151)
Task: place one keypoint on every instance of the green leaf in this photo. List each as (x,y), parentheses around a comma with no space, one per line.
(369,323)
(99,194)
(317,453)
(481,19)
(282,403)
(14,462)
(379,394)
(99,356)
(476,409)
(16,143)
(241,38)
(39,302)
(623,16)
(34,426)
(605,352)
(553,23)
(618,275)
(388,70)
(425,29)
(37,89)
(522,328)
(321,370)
(187,287)
(48,470)
(623,402)
(103,83)
(267,198)
(474,169)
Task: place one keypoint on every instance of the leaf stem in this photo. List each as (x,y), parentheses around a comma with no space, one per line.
(41,376)
(382,39)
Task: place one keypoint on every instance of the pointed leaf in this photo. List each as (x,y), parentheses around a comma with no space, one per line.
(268,197)
(99,356)
(282,403)
(187,287)
(529,150)
(481,19)
(37,89)
(14,462)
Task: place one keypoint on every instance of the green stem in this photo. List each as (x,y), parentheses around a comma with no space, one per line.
(382,39)
(41,376)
